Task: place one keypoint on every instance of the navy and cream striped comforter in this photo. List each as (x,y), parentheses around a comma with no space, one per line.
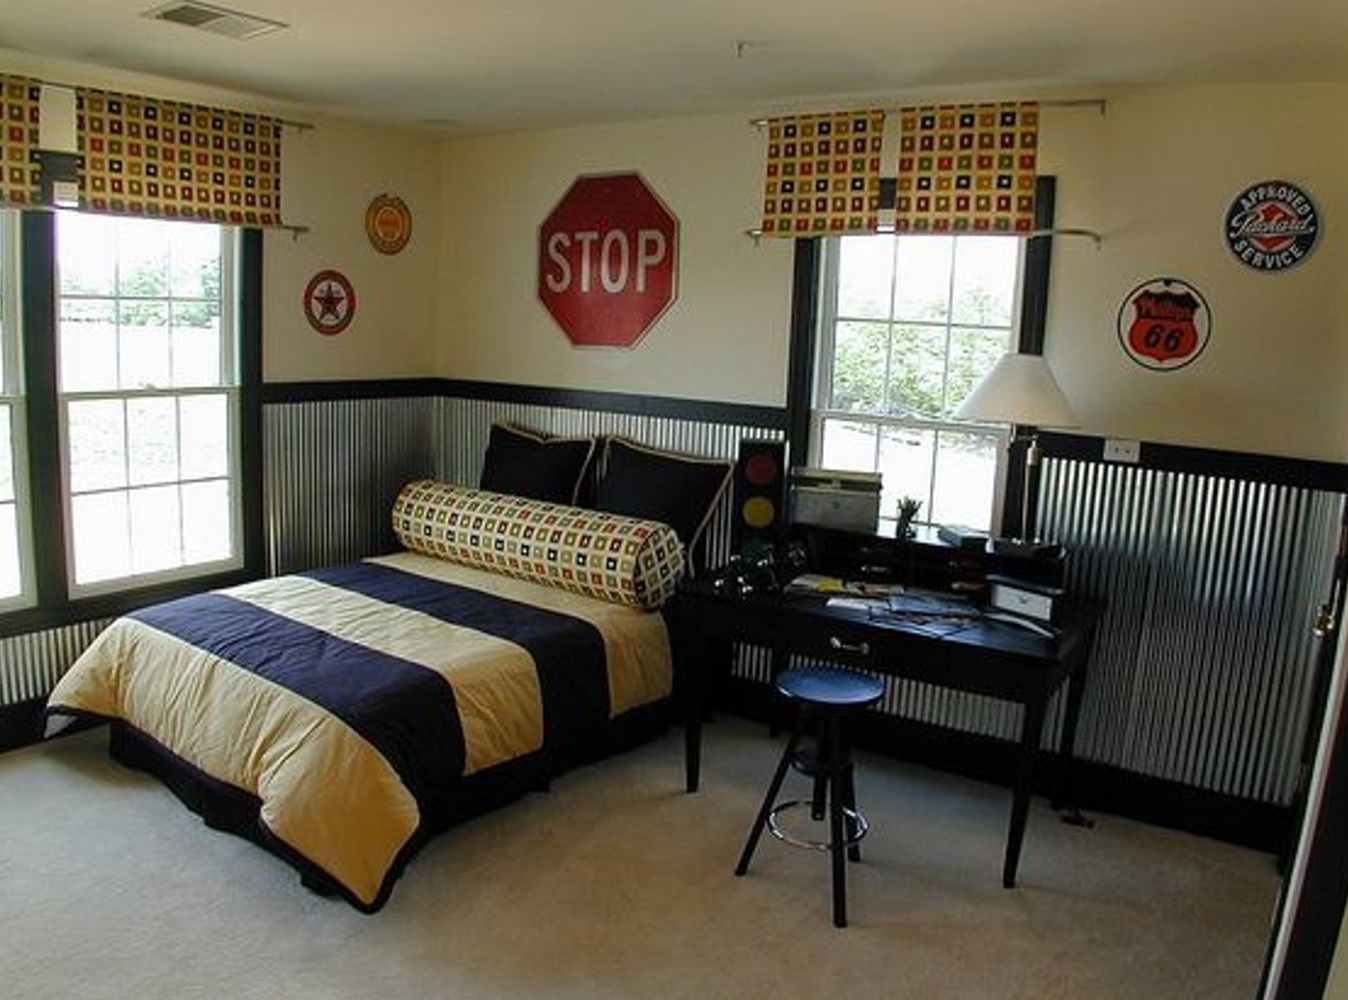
(346,700)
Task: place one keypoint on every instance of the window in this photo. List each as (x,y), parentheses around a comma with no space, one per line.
(908,325)
(15,562)
(130,417)
(148,390)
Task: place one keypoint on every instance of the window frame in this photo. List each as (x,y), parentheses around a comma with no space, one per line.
(807,290)
(825,354)
(227,385)
(55,604)
(13,396)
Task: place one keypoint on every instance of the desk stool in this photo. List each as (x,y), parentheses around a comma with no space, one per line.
(826,695)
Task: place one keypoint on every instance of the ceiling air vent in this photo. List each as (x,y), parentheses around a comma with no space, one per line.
(230,23)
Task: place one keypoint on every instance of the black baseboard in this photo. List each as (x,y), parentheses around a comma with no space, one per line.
(1095,787)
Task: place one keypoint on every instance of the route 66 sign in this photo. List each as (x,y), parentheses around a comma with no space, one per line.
(1164,324)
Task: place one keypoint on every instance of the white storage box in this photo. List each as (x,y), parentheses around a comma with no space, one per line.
(832,498)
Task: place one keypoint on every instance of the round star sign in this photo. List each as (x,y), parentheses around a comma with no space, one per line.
(329,302)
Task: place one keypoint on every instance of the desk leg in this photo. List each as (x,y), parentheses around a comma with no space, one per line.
(1031,730)
(1065,788)
(706,664)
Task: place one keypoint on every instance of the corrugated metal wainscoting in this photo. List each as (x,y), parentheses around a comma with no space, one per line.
(465,425)
(332,471)
(32,663)
(1204,666)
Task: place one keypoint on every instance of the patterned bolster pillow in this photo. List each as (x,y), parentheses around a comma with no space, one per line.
(616,558)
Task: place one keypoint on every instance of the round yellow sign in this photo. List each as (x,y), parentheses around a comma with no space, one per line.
(388,223)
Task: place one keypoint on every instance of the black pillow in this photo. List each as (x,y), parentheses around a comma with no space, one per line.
(534,466)
(679,490)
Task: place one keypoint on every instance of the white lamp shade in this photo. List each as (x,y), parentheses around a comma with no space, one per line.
(1020,389)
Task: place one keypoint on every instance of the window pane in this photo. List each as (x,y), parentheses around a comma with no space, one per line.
(203,423)
(196,344)
(6,456)
(156,539)
(848,444)
(101,539)
(917,382)
(143,258)
(97,434)
(923,278)
(207,527)
(194,267)
(88,345)
(966,477)
(87,248)
(865,276)
(984,291)
(144,343)
(152,440)
(11,580)
(859,365)
(905,467)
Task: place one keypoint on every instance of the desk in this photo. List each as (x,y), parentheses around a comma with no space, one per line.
(981,657)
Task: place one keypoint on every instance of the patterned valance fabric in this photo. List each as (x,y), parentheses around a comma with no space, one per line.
(823,174)
(967,168)
(20,176)
(614,558)
(149,157)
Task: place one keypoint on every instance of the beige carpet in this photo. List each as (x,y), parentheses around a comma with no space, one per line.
(617,885)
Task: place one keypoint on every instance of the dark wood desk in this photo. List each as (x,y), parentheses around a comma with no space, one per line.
(982,657)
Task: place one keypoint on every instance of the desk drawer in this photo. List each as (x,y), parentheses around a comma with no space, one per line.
(840,642)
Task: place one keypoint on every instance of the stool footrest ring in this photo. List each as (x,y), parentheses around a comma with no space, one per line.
(854,821)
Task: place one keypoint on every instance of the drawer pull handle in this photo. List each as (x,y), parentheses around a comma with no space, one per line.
(859,648)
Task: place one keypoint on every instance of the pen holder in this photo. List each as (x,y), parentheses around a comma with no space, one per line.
(904,512)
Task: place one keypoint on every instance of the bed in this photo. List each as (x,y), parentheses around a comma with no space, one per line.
(343,716)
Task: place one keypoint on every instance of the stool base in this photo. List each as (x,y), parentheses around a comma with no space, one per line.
(854,822)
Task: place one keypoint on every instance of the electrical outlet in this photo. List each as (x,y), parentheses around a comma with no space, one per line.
(1117,450)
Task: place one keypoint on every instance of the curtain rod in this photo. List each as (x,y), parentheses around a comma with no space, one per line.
(287,122)
(1096,238)
(1085,102)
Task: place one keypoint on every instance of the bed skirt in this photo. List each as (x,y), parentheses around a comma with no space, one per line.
(223,807)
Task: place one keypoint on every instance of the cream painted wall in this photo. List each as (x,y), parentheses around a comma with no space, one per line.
(331,174)
(1154,175)
(724,336)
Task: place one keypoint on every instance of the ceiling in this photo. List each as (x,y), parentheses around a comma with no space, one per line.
(474,66)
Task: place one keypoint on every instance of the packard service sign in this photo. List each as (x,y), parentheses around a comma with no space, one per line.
(1272,226)
(608,260)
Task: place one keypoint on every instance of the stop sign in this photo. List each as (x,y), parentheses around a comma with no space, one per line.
(607,260)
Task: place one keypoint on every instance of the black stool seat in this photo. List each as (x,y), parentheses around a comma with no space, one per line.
(825,695)
(829,686)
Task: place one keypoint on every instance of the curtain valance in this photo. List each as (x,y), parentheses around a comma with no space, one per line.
(966,168)
(823,173)
(20,174)
(151,157)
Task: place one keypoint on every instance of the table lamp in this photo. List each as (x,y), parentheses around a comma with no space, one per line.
(1021,391)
